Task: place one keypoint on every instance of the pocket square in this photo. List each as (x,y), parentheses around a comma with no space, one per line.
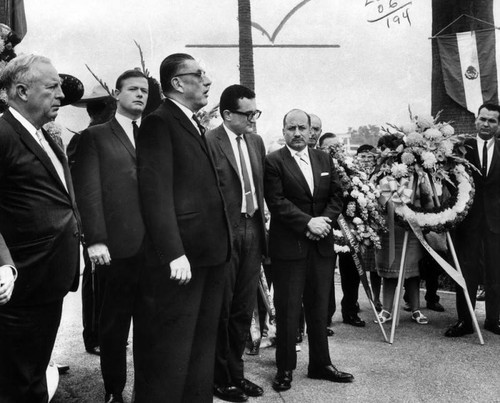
(325,173)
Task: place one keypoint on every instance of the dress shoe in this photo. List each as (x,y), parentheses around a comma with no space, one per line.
(113,398)
(94,350)
(329,332)
(249,388)
(435,306)
(492,326)
(459,329)
(354,320)
(481,295)
(282,381)
(230,393)
(330,373)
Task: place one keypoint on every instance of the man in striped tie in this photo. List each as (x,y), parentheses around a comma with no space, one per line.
(239,156)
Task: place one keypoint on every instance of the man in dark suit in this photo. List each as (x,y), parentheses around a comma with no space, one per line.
(187,245)
(101,108)
(40,226)
(304,197)
(479,232)
(105,177)
(239,155)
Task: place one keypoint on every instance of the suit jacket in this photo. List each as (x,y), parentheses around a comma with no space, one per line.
(486,202)
(105,178)
(292,205)
(229,176)
(181,198)
(39,220)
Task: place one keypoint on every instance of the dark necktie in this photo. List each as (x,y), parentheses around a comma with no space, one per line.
(484,167)
(246,179)
(136,130)
(200,127)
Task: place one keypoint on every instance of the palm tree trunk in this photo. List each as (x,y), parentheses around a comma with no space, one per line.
(247,75)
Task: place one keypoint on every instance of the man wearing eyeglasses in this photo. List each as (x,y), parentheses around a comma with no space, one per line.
(186,247)
(239,156)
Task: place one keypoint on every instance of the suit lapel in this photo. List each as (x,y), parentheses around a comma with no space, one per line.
(290,164)
(227,149)
(254,159)
(119,132)
(494,159)
(64,162)
(185,122)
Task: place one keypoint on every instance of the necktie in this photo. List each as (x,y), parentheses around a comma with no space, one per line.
(52,156)
(484,166)
(200,127)
(306,170)
(246,179)
(135,129)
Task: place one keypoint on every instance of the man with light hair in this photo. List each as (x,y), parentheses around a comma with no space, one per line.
(39,229)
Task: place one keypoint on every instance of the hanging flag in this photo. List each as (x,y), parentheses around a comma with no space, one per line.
(469,68)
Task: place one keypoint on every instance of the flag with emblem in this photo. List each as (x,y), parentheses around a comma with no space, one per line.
(468,62)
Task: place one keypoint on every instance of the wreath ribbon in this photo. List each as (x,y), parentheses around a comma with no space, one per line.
(394,193)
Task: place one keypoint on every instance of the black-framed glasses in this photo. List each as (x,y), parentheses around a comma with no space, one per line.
(253,115)
(200,74)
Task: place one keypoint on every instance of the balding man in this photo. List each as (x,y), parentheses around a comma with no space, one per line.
(39,229)
(304,196)
(316,129)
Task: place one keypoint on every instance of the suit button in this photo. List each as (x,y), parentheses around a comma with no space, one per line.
(76,234)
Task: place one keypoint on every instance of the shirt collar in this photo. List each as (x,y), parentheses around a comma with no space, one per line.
(25,122)
(304,152)
(188,112)
(229,131)
(126,121)
(480,141)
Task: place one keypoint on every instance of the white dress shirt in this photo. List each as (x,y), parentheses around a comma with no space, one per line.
(126,124)
(304,162)
(490,146)
(43,143)
(234,144)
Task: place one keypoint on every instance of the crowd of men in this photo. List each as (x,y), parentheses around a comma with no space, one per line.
(173,225)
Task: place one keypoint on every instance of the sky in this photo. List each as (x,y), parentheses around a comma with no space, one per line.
(379,69)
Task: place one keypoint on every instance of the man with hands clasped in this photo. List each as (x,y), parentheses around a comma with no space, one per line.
(304,197)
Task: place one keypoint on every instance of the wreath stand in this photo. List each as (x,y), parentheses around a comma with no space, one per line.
(399,287)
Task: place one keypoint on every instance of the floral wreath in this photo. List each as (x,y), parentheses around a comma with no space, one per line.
(361,209)
(433,154)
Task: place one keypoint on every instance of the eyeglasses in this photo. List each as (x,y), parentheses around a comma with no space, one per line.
(200,74)
(250,115)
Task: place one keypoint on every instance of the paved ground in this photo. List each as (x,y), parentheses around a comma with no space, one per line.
(421,366)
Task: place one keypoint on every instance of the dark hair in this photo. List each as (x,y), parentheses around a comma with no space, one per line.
(297,110)
(490,107)
(230,97)
(327,135)
(128,74)
(390,141)
(169,68)
(363,148)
